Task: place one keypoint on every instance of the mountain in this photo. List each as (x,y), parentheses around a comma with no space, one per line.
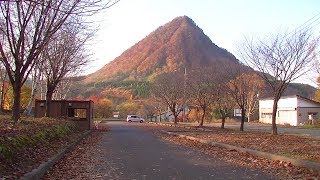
(179,43)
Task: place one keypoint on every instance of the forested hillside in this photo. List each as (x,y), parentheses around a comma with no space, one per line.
(180,44)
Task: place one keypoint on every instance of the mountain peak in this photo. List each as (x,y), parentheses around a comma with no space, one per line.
(183,19)
(178,22)
(178,43)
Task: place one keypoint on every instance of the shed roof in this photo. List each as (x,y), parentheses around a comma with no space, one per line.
(293,96)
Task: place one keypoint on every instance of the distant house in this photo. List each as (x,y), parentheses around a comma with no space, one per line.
(237,112)
(292,110)
(116,114)
(168,116)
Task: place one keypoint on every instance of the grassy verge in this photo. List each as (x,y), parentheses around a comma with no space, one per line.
(12,143)
(31,141)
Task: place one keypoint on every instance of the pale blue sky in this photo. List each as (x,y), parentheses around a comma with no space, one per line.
(226,22)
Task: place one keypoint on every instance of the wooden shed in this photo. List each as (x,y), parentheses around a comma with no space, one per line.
(79,111)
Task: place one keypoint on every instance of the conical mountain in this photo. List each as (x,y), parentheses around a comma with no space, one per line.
(177,44)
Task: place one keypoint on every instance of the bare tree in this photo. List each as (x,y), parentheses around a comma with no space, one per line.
(280,59)
(153,107)
(237,90)
(63,88)
(3,80)
(202,83)
(223,103)
(241,88)
(35,79)
(25,29)
(169,89)
(256,86)
(62,57)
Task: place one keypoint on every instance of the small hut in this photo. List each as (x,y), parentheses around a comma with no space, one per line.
(79,111)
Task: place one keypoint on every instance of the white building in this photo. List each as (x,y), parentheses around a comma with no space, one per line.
(292,110)
(168,116)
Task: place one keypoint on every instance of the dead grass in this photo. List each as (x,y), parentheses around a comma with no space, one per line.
(29,142)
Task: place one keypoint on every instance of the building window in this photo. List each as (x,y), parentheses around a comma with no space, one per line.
(237,112)
(266,115)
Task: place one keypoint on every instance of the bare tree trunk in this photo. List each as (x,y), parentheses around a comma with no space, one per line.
(16,102)
(29,107)
(223,120)
(35,82)
(274,115)
(243,117)
(48,103)
(175,119)
(202,117)
(175,115)
(2,95)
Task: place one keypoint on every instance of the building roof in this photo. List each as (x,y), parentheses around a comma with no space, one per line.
(66,100)
(293,96)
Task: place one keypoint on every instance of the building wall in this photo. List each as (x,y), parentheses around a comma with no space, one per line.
(286,112)
(62,108)
(287,116)
(283,103)
(304,112)
(292,110)
(304,103)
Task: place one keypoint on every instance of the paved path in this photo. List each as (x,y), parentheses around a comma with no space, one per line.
(134,153)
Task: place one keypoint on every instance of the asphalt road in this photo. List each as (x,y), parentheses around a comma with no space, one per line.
(135,153)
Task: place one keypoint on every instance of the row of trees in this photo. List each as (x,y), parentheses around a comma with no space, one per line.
(43,39)
(208,88)
(278,61)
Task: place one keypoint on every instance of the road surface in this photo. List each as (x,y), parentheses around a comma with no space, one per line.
(132,152)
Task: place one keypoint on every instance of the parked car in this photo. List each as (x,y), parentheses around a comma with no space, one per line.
(134,118)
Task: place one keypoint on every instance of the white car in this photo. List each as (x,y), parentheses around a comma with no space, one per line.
(134,118)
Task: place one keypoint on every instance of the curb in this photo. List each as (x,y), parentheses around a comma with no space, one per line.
(44,167)
(181,126)
(297,162)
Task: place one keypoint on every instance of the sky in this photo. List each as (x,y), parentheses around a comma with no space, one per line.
(225,22)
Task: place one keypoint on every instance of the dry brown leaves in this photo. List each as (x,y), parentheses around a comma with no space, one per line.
(28,159)
(25,161)
(259,141)
(81,162)
(289,145)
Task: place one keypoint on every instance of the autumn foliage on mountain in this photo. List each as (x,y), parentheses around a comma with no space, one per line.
(177,45)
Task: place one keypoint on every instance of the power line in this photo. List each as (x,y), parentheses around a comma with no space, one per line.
(309,24)
(310,20)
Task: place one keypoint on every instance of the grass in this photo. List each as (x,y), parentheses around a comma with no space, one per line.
(310,126)
(29,132)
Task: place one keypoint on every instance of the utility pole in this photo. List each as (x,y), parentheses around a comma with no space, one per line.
(184,94)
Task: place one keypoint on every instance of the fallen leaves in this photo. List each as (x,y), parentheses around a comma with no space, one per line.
(82,162)
(31,155)
(278,144)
